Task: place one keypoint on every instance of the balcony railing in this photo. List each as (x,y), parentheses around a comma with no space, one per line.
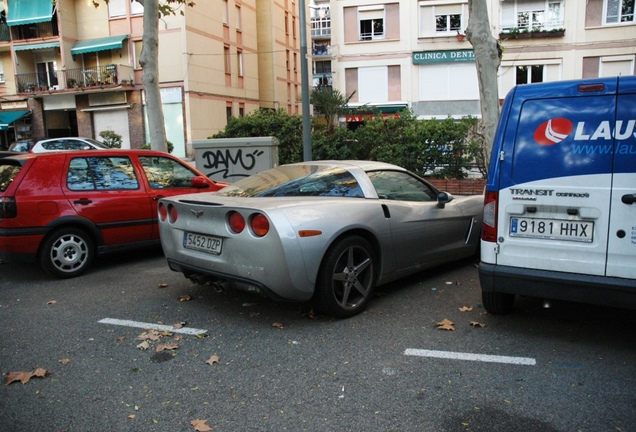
(321,27)
(76,79)
(34,31)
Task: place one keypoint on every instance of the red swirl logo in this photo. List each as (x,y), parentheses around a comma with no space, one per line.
(553,131)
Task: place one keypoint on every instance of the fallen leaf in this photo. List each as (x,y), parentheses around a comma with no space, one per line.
(24,377)
(132,416)
(477,324)
(278,325)
(163,285)
(51,302)
(167,346)
(179,325)
(121,339)
(178,337)
(200,425)
(446,325)
(466,309)
(185,298)
(213,359)
(149,335)
(144,345)
(64,361)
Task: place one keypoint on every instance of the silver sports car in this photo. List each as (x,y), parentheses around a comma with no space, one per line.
(326,232)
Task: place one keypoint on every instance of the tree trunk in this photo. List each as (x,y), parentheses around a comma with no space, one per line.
(149,61)
(487,60)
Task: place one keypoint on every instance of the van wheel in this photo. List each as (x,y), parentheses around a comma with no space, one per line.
(497,303)
(346,278)
(67,252)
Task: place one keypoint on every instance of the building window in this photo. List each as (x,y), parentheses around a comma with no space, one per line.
(137,45)
(47,74)
(241,110)
(286,23)
(322,67)
(442,20)
(287,61)
(448,23)
(238,18)
(239,62)
(226,12)
(228,112)
(448,82)
(531,15)
(619,11)
(116,8)
(227,57)
(371,23)
(529,74)
(136,8)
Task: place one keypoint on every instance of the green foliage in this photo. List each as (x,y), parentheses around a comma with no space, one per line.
(149,147)
(111,139)
(329,103)
(288,129)
(440,148)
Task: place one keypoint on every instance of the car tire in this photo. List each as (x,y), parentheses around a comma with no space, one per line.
(67,252)
(346,278)
(497,303)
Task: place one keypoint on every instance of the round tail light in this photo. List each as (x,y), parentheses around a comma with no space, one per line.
(259,224)
(236,222)
(173,214)
(163,212)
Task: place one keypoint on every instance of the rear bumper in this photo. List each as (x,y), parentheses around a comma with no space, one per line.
(203,276)
(600,290)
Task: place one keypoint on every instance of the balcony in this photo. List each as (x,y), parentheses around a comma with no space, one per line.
(34,31)
(5,35)
(93,78)
(321,27)
(531,33)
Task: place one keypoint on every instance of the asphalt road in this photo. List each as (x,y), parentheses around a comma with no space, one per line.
(570,367)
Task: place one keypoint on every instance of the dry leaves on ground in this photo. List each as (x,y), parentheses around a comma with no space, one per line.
(213,359)
(200,425)
(446,325)
(24,377)
(466,309)
(477,324)
(167,346)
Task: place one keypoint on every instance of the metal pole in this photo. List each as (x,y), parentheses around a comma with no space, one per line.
(304,83)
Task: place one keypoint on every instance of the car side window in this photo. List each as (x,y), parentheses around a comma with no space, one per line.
(401,186)
(163,172)
(54,145)
(101,173)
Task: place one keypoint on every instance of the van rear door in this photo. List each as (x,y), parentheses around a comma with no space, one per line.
(556,176)
(621,251)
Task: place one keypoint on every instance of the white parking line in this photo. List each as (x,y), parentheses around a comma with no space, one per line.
(526,361)
(160,327)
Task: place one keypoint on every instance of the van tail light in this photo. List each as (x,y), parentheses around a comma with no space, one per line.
(489,225)
(260,225)
(8,208)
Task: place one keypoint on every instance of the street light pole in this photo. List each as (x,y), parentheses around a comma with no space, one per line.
(304,83)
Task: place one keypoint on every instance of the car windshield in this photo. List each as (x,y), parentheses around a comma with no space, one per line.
(295,181)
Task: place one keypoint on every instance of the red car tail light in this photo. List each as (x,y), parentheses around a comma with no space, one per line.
(489,226)
(236,222)
(173,214)
(260,225)
(163,212)
(8,208)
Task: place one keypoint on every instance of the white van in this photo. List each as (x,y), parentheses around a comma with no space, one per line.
(560,204)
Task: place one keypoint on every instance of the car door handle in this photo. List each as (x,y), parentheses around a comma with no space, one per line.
(82,201)
(157,198)
(628,199)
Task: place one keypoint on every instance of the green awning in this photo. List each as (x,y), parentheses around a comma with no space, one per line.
(98,44)
(28,47)
(29,11)
(8,117)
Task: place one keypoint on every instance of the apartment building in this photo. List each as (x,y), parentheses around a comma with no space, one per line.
(71,69)
(397,53)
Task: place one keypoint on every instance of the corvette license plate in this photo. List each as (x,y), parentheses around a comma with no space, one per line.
(552,229)
(202,243)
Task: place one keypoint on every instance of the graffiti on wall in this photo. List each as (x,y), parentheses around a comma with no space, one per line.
(230,162)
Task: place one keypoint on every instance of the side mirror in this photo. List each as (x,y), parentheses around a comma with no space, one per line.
(200,182)
(443,198)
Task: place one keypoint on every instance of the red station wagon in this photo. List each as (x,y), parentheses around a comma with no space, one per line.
(62,209)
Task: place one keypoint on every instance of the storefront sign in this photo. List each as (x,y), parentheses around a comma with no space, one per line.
(451,56)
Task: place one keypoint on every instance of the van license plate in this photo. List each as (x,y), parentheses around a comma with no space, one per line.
(552,229)
(202,243)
